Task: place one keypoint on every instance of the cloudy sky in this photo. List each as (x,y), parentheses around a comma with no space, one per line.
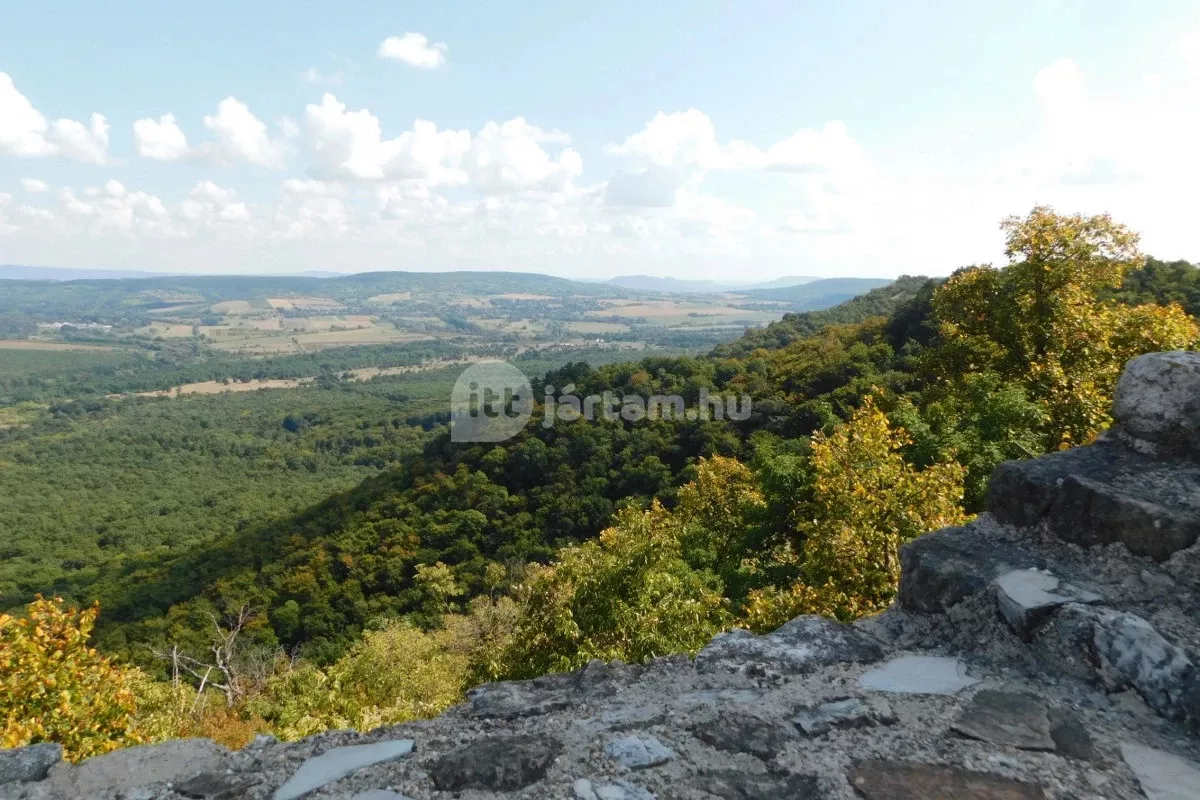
(680,137)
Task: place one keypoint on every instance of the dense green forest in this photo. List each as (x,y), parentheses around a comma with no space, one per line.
(244,517)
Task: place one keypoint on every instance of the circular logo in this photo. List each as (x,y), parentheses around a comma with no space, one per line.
(491,401)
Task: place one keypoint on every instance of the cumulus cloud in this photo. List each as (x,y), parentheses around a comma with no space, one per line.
(24,131)
(160,140)
(413,49)
(237,137)
(34,186)
(350,144)
(509,157)
(210,204)
(316,76)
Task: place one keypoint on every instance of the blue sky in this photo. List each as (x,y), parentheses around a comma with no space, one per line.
(694,139)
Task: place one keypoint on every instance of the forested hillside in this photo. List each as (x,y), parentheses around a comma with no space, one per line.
(871,424)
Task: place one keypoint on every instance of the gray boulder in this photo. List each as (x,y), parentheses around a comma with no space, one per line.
(1027,597)
(30,763)
(497,763)
(796,647)
(172,761)
(1157,401)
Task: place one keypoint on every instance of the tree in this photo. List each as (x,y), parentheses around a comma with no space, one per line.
(54,688)
(629,595)
(864,502)
(1041,321)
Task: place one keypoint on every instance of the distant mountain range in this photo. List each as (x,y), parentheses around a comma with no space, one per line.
(819,293)
(16,272)
(650,283)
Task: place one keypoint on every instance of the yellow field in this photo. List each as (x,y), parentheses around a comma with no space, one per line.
(519,296)
(28,344)
(303,302)
(389,299)
(598,327)
(217,387)
(233,307)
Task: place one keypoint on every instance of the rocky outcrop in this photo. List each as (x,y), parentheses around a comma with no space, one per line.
(1048,649)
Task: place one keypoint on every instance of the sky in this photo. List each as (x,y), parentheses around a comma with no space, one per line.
(727,140)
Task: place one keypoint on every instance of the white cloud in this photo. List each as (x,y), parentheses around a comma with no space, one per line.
(350,144)
(413,49)
(508,157)
(34,186)
(161,139)
(25,132)
(209,204)
(241,136)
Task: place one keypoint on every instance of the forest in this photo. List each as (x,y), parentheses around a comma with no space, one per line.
(873,422)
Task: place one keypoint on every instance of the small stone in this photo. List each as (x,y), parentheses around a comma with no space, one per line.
(497,763)
(380,794)
(215,786)
(796,647)
(1071,738)
(744,732)
(894,780)
(1026,597)
(919,675)
(335,764)
(30,763)
(1006,718)
(1161,775)
(610,790)
(638,752)
(842,714)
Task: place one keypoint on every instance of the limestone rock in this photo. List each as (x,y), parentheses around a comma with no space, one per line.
(638,752)
(497,763)
(941,569)
(1090,512)
(1006,718)
(1162,776)
(1157,400)
(796,647)
(841,714)
(379,794)
(1026,597)
(741,731)
(335,764)
(892,780)
(1071,738)
(1126,651)
(919,675)
(29,763)
(172,761)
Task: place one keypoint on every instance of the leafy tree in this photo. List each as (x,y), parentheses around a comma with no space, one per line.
(629,595)
(54,688)
(1041,320)
(865,501)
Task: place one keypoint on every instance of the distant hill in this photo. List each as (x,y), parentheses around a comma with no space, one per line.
(16,272)
(819,293)
(651,283)
(887,300)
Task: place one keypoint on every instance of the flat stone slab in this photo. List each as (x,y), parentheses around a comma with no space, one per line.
(1027,597)
(919,675)
(617,789)
(29,763)
(842,714)
(497,763)
(335,764)
(216,786)
(796,647)
(1161,775)
(638,752)
(1006,718)
(894,780)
